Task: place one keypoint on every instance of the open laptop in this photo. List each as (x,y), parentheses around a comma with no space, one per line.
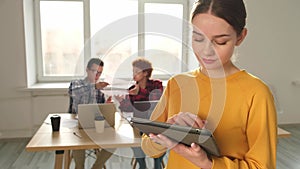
(88,112)
(144,109)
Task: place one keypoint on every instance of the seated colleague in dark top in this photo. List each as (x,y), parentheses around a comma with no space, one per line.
(144,89)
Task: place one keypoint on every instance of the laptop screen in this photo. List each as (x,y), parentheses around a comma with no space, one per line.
(87,113)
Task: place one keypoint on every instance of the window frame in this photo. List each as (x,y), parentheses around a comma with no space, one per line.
(185,29)
(38,39)
(40,78)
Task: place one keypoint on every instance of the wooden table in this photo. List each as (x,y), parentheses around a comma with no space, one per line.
(71,138)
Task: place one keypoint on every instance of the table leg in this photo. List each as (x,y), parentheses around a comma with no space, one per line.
(67,159)
(59,154)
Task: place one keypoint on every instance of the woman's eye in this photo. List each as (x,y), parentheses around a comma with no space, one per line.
(220,43)
(198,39)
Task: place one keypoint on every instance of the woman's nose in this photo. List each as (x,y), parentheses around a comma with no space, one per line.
(208,49)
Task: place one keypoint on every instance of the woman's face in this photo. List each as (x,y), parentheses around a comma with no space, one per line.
(213,41)
(138,74)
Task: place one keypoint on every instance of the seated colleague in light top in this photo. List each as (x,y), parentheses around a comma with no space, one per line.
(144,89)
(235,105)
(85,91)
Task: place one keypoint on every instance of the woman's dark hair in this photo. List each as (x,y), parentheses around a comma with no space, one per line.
(232,11)
(143,64)
(96,61)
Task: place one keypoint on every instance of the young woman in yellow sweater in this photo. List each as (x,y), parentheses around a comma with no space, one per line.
(237,106)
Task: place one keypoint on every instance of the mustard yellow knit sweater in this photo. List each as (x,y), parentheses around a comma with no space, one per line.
(240,111)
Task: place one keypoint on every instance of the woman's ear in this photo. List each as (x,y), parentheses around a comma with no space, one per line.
(241,37)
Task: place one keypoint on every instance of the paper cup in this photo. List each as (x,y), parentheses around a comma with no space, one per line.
(99,125)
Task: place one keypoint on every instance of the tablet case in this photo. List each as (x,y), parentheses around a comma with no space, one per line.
(182,134)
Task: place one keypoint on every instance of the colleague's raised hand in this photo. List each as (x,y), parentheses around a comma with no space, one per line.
(134,90)
(119,98)
(109,100)
(101,85)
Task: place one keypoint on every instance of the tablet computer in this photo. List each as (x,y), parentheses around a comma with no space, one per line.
(181,134)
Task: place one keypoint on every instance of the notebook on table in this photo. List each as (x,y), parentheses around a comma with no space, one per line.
(88,112)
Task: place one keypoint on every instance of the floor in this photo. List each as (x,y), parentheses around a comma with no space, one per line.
(288,149)
(13,155)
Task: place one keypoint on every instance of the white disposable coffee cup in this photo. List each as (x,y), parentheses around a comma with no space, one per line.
(99,124)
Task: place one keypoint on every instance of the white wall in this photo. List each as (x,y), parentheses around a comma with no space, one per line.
(15,107)
(270,52)
(20,111)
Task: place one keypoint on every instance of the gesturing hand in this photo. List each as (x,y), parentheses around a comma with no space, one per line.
(119,98)
(134,90)
(101,85)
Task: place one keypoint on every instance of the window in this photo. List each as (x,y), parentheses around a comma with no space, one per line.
(164,45)
(70,32)
(61,39)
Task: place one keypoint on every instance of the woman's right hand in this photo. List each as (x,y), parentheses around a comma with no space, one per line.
(187,119)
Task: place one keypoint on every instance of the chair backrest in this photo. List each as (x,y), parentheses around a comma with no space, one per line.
(71,106)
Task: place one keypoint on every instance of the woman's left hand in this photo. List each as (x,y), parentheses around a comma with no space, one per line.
(193,153)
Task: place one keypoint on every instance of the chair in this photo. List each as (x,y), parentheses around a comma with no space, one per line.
(134,162)
(143,109)
(88,153)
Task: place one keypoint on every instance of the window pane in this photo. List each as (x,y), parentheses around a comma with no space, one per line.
(163,42)
(114,27)
(62,37)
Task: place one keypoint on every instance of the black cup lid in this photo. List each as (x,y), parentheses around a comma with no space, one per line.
(55,116)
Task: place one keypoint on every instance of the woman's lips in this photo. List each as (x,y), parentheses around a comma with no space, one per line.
(208,61)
